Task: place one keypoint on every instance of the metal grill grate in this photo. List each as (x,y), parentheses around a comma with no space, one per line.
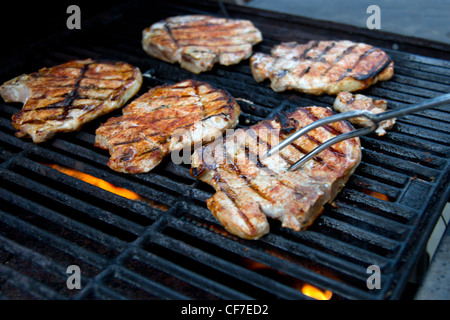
(172,247)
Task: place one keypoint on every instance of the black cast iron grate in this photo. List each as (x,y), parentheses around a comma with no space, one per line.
(173,248)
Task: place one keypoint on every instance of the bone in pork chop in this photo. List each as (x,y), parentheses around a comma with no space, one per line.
(320,67)
(165,119)
(249,188)
(197,42)
(64,97)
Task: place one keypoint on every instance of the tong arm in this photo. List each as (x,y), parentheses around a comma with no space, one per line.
(375,118)
(316,124)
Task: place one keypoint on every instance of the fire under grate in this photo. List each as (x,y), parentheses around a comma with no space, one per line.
(164,243)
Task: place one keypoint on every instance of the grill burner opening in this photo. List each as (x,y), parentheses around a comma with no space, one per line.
(316,293)
(376,194)
(305,288)
(170,247)
(105,185)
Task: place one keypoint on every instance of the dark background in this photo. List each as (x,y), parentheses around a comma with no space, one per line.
(23,23)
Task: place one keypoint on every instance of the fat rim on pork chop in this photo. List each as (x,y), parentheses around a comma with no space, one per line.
(167,118)
(64,97)
(197,42)
(322,67)
(249,188)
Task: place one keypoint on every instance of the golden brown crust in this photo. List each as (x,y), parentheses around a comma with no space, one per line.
(64,97)
(167,118)
(250,188)
(320,67)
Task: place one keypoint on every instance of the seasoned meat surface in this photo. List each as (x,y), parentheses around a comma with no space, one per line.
(165,119)
(64,97)
(346,101)
(249,189)
(197,42)
(322,67)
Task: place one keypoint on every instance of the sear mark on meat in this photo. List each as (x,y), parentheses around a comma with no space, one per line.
(249,189)
(197,42)
(65,97)
(167,118)
(322,67)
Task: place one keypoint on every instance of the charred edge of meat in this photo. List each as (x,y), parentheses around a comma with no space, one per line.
(375,71)
(370,74)
(285,121)
(197,172)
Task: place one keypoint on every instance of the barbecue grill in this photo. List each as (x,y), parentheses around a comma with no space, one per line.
(162,242)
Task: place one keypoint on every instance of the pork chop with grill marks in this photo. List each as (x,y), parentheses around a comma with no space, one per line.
(197,42)
(346,101)
(64,97)
(165,119)
(249,188)
(322,67)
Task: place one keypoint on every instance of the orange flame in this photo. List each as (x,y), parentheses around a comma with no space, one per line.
(305,288)
(105,185)
(375,194)
(316,293)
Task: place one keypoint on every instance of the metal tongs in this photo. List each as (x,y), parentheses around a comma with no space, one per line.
(375,118)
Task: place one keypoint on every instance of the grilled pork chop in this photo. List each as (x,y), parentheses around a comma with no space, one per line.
(64,97)
(345,101)
(197,42)
(250,188)
(320,67)
(167,118)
